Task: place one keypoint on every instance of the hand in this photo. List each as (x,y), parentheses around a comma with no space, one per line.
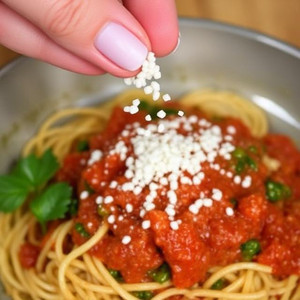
(90,36)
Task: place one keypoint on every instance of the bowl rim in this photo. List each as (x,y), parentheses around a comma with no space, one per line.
(244,32)
(249,34)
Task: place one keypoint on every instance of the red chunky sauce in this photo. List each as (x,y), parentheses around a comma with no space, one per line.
(28,255)
(215,209)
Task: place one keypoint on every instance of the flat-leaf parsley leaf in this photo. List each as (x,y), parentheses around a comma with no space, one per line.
(13,192)
(53,203)
(28,181)
(37,170)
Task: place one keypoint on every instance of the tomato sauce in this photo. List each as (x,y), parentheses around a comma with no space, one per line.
(209,238)
(28,255)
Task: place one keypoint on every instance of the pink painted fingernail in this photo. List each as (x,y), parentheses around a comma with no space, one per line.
(121,46)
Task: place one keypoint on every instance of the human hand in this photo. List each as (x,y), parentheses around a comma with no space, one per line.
(90,36)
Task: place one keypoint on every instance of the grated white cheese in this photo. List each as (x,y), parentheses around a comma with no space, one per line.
(96,155)
(231,130)
(108,199)
(229,211)
(111,219)
(166,97)
(126,240)
(174,225)
(217,194)
(146,224)
(246,183)
(99,200)
(237,179)
(129,207)
(161,114)
(167,154)
(150,70)
(84,195)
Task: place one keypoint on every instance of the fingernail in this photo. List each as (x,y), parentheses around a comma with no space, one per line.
(121,46)
(178,43)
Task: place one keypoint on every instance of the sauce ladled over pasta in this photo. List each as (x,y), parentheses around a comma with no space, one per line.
(185,199)
(193,192)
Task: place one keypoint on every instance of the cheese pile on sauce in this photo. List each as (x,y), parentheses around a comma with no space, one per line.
(162,155)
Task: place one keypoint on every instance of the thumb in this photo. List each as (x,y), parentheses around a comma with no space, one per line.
(101,32)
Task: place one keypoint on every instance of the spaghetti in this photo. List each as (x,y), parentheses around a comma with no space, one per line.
(76,274)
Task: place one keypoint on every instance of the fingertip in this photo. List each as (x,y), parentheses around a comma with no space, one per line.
(159,19)
(162,46)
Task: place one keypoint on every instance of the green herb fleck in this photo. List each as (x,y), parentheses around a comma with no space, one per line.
(88,188)
(81,230)
(144,105)
(161,274)
(116,274)
(250,249)
(240,166)
(239,153)
(216,118)
(251,163)
(234,202)
(276,191)
(73,207)
(82,146)
(152,110)
(218,285)
(169,111)
(243,160)
(143,295)
(253,149)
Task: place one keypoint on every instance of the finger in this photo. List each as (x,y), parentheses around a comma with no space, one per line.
(159,19)
(102,32)
(21,36)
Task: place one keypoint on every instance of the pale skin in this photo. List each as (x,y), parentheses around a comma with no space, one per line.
(63,32)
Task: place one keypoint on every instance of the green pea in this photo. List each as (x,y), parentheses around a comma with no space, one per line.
(81,230)
(250,249)
(83,146)
(276,191)
(102,212)
(239,153)
(116,274)
(161,274)
(218,285)
(143,295)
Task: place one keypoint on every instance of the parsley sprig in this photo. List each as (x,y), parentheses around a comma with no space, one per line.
(29,180)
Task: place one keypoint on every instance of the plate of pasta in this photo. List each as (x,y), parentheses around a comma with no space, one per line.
(197,197)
